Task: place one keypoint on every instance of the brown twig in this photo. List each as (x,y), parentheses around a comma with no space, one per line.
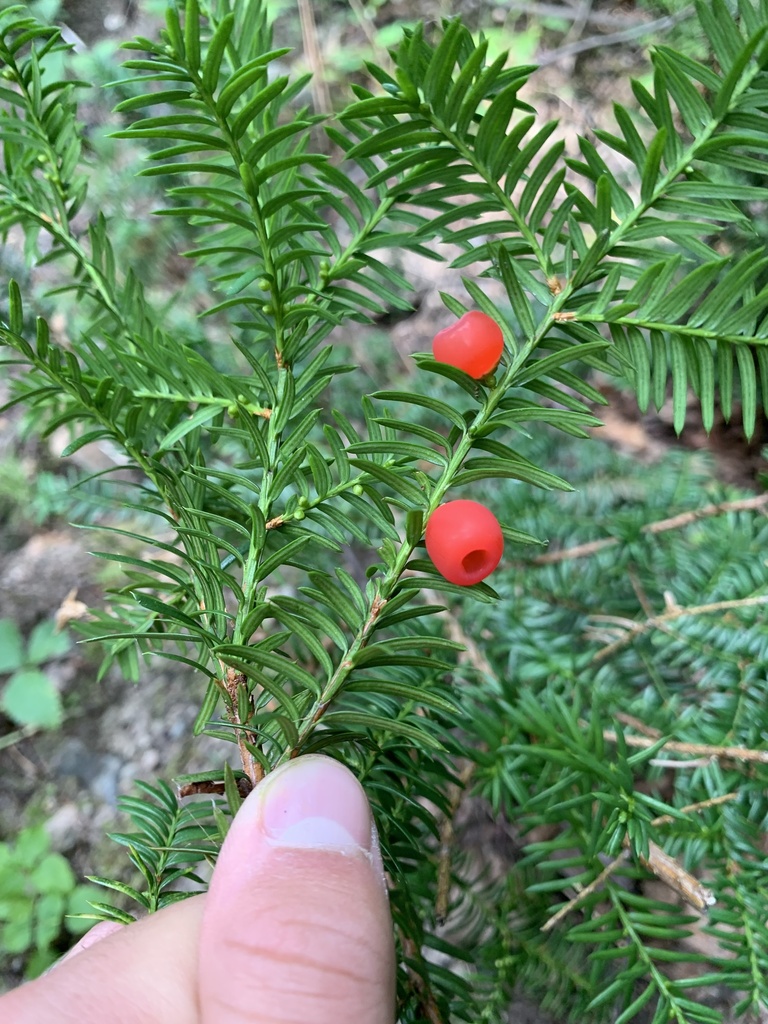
(640,593)
(447,837)
(694,749)
(579,22)
(614,38)
(701,805)
(480,663)
(472,652)
(582,894)
(687,763)
(630,633)
(637,724)
(429,1010)
(320,95)
(665,868)
(364,20)
(755,503)
(598,18)
(675,876)
(233,682)
(12,738)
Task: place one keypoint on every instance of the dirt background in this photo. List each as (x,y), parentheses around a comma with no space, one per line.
(117,732)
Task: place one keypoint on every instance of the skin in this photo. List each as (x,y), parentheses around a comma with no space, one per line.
(295,928)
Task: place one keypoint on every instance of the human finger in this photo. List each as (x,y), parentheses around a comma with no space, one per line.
(297,925)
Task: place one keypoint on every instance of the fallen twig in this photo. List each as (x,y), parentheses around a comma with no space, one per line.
(759,501)
(615,38)
(694,749)
(637,724)
(447,837)
(313,53)
(429,1010)
(665,868)
(701,805)
(674,875)
(582,894)
(629,633)
(598,18)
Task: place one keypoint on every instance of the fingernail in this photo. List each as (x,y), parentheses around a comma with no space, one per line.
(315,803)
(311,803)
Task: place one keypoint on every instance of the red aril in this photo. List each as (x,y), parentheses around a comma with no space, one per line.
(464,541)
(474,344)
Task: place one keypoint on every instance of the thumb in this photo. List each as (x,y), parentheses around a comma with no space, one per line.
(296,925)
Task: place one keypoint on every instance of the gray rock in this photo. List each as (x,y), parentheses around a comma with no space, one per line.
(65,827)
(96,771)
(35,579)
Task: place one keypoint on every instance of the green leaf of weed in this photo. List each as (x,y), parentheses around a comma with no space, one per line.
(11,646)
(53,875)
(30,698)
(46,642)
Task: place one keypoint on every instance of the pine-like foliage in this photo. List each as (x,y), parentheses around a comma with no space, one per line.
(170,842)
(622,724)
(257,484)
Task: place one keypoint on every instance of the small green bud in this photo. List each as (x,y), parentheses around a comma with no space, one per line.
(264,284)
(299,514)
(358,490)
(232,410)
(267,309)
(303,501)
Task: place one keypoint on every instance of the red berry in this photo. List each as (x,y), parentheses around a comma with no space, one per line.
(464,541)
(473,344)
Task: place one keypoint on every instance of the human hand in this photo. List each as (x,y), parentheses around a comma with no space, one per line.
(295,928)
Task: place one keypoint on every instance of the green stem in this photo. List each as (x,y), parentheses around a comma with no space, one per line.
(274,437)
(223,403)
(659,980)
(60,232)
(504,201)
(755,969)
(691,332)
